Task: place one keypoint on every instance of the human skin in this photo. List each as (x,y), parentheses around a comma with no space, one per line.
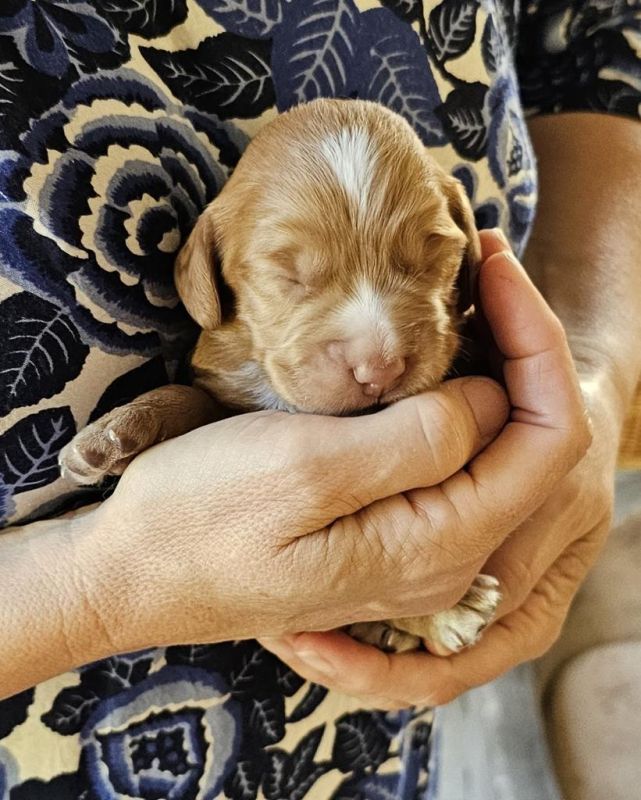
(269,523)
(584,256)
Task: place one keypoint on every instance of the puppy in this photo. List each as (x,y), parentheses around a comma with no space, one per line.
(330,276)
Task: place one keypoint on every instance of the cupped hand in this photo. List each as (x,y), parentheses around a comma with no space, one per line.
(267,523)
(526,482)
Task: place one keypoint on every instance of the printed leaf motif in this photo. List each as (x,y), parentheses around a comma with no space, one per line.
(452,26)
(409,10)
(302,759)
(244,781)
(147,18)
(73,705)
(244,670)
(315,49)
(394,71)
(491,46)
(289,776)
(29,450)
(276,775)
(13,711)
(225,75)
(115,674)
(464,117)
(195,655)
(10,82)
(254,19)
(310,702)
(371,787)
(360,742)
(288,681)
(40,351)
(267,718)
(70,710)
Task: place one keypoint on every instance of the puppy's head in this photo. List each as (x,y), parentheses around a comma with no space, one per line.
(349,253)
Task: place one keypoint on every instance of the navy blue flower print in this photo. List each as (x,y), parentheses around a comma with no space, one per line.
(226,75)
(393,69)
(119,121)
(147,18)
(52,34)
(29,452)
(253,19)
(487,213)
(13,711)
(108,211)
(8,773)
(580,55)
(510,157)
(174,735)
(315,51)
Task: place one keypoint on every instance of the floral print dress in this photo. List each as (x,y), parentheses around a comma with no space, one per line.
(119,121)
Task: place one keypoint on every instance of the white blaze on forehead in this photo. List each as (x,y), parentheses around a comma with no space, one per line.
(366,314)
(352,157)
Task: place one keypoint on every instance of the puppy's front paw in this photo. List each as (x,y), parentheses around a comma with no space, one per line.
(106,446)
(451,631)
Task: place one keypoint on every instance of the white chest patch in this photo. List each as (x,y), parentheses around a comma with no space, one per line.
(352,156)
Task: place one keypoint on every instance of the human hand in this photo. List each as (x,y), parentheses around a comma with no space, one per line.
(542,563)
(265,523)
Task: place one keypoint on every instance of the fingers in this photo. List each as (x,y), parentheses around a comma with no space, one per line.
(396,681)
(419,441)
(548,431)
(493,241)
(525,558)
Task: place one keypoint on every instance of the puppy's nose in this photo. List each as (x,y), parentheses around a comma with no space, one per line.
(377,377)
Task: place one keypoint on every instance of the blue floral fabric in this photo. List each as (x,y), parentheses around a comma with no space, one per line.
(119,121)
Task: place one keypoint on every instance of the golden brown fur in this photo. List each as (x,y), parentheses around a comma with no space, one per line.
(293,246)
(349,254)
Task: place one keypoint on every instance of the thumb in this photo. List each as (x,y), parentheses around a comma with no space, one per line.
(417,442)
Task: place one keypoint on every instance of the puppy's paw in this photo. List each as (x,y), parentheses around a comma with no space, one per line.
(106,446)
(451,631)
(384,636)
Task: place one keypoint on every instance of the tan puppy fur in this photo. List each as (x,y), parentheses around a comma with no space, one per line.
(347,256)
(341,240)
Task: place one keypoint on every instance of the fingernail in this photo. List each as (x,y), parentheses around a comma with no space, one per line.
(313,660)
(511,257)
(498,232)
(489,405)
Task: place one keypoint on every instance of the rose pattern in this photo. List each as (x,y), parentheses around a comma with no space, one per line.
(173,736)
(105,216)
(120,121)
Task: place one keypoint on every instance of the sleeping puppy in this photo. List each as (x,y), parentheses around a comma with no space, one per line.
(330,276)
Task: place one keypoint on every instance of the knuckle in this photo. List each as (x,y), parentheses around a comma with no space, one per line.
(445,435)
(517,580)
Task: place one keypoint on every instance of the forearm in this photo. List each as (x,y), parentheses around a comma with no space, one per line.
(50,574)
(585,250)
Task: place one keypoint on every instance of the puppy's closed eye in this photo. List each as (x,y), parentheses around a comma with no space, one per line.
(295,273)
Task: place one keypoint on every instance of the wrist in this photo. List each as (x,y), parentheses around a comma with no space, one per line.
(48,620)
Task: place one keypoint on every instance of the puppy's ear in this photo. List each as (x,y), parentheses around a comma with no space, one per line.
(463,216)
(195,274)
